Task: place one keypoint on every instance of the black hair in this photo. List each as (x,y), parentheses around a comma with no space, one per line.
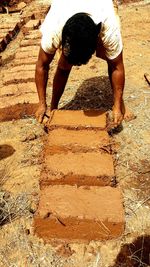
(79,38)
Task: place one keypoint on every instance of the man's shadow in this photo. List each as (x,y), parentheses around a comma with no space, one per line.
(135,254)
(94,93)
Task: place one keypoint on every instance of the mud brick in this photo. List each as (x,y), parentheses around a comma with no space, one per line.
(27,54)
(91,168)
(23,67)
(26,61)
(77,119)
(36,34)
(11,32)
(64,140)
(11,27)
(8,91)
(18,111)
(78,214)
(3,32)
(8,101)
(21,5)
(10,18)
(29,49)
(15,94)
(17,89)
(30,25)
(32,42)
(20,77)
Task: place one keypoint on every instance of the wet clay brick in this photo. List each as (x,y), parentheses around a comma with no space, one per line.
(23,67)
(26,61)
(77,214)
(30,25)
(32,42)
(29,48)
(77,119)
(27,54)
(90,168)
(36,34)
(17,89)
(18,111)
(64,140)
(20,77)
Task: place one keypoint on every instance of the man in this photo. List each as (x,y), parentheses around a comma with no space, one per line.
(78,29)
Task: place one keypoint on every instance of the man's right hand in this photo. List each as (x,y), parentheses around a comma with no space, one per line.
(41,112)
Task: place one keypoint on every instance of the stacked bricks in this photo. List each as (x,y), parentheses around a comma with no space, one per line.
(18,94)
(78,201)
(9,27)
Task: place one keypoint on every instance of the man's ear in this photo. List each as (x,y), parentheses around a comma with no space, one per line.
(98,28)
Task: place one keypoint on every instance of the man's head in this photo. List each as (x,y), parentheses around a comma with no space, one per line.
(79,38)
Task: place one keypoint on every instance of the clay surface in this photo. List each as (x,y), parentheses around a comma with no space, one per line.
(63,140)
(78,118)
(91,168)
(79,213)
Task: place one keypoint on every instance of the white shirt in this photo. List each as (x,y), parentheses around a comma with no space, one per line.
(99,10)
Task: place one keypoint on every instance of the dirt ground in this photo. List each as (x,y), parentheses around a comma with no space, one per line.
(21,146)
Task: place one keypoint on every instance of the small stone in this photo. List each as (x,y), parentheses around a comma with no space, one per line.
(33,207)
(30,137)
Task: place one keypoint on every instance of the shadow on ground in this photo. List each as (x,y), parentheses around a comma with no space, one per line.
(6,151)
(135,254)
(94,93)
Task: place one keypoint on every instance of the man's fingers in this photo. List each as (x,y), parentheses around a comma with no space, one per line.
(117,119)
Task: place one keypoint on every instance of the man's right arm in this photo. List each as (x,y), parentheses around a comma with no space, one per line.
(41,78)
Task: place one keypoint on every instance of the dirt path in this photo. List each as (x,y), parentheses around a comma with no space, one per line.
(21,145)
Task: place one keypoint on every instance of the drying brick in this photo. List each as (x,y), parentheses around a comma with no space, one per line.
(30,25)
(90,168)
(77,119)
(18,111)
(22,68)
(27,54)
(18,89)
(36,34)
(64,140)
(20,77)
(26,61)
(32,42)
(78,214)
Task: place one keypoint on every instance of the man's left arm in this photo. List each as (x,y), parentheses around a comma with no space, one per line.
(117,78)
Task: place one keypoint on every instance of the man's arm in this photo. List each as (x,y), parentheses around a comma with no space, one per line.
(60,80)
(41,78)
(117,78)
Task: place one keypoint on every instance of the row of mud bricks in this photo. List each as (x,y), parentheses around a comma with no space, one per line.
(18,96)
(78,199)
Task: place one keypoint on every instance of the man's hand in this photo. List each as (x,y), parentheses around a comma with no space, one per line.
(40,112)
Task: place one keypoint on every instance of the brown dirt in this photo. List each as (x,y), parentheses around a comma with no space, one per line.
(88,87)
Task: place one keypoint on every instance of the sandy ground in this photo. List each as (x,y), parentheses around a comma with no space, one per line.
(21,146)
